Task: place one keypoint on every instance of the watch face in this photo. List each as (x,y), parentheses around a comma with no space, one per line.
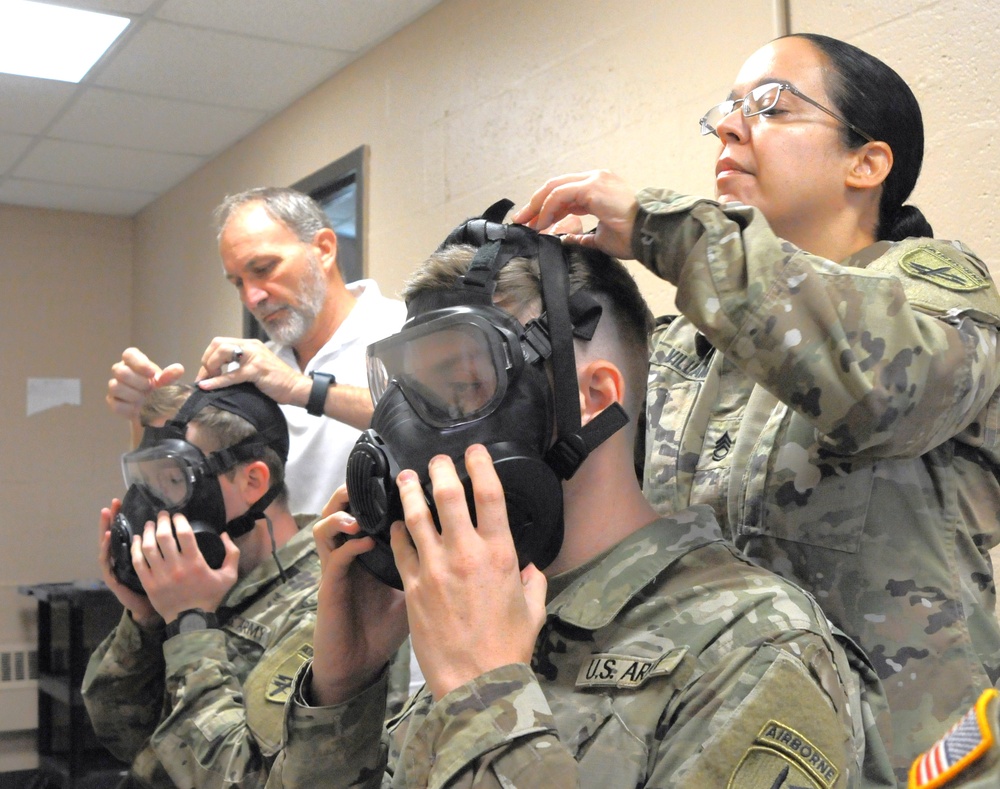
(191,621)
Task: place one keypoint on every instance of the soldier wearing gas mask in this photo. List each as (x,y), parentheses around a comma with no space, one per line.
(568,635)
(218,580)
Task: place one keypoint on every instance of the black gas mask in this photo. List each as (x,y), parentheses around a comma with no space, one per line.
(166,472)
(463,371)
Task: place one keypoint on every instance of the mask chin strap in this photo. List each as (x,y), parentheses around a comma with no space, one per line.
(237,527)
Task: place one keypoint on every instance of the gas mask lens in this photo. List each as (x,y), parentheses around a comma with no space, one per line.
(164,473)
(452,369)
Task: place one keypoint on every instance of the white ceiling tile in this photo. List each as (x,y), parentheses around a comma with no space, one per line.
(148,123)
(11,148)
(117,202)
(351,25)
(135,7)
(28,105)
(168,60)
(81,164)
(186,80)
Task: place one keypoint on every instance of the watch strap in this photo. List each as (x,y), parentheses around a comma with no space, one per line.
(317,395)
(207,618)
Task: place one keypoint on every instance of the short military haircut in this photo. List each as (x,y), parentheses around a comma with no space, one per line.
(220,427)
(519,292)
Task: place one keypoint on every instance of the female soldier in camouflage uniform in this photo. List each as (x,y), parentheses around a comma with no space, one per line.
(831,389)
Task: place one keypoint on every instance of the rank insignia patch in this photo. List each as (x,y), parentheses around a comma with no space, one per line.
(931,265)
(961,747)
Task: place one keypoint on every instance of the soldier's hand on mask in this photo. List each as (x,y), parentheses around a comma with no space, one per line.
(470,609)
(142,611)
(132,379)
(598,193)
(360,622)
(173,572)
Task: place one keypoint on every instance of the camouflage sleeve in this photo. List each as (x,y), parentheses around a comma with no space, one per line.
(205,740)
(496,731)
(891,359)
(764,712)
(774,714)
(339,746)
(123,687)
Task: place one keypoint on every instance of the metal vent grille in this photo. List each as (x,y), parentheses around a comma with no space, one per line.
(18,665)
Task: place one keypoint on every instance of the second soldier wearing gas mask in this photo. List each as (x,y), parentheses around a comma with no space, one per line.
(646,653)
(168,472)
(190,683)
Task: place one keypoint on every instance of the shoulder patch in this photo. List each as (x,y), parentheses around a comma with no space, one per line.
(623,671)
(270,683)
(279,685)
(961,748)
(930,264)
(780,756)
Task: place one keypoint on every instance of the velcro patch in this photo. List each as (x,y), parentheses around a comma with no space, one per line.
(929,264)
(780,756)
(962,746)
(279,686)
(250,630)
(624,671)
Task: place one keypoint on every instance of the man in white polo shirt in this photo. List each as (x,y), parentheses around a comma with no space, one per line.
(280,252)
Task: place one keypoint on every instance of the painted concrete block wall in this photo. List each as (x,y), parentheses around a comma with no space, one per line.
(949,53)
(478,99)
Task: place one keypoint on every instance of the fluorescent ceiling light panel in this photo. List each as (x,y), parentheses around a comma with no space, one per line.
(53,42)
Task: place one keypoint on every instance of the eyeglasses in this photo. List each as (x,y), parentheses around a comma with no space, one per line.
(762,99)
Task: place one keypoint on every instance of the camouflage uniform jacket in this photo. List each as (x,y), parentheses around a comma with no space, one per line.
(842,420)
(205,709)
(668,661)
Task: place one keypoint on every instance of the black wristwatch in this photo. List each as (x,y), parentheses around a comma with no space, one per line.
(191,620)
(317,396)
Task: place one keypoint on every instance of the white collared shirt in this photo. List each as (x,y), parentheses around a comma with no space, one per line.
(319,445)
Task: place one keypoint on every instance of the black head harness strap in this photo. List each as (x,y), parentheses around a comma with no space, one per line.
(549,336)
(223,460)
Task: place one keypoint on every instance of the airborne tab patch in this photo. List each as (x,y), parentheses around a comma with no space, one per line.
(622,671)
(780,756)
(930,264)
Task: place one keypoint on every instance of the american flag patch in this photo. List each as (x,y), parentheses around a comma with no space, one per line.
(964,743)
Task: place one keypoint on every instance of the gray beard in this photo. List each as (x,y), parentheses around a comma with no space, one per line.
(293,328)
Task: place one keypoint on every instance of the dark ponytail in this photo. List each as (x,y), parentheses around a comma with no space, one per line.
(876,99)
(907,221)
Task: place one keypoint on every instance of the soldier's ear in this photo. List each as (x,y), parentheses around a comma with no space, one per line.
(869,165)
(601,384)
(254,478)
